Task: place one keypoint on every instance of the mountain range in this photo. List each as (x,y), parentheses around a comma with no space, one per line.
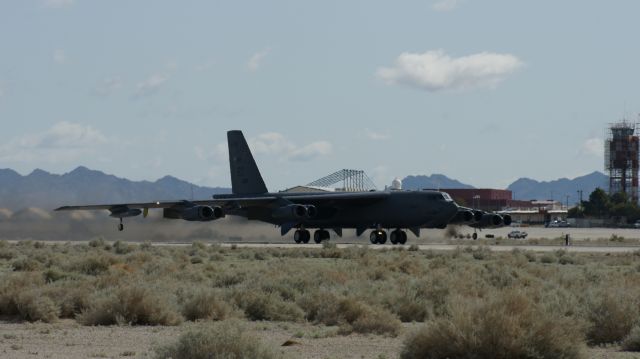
(84,186)
(45,190)
(523,188)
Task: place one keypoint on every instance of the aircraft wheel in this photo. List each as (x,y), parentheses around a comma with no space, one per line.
(394,237)
(297,236)
(382,237)
(403,237)
(121,227)
(306,236)
(318,236)
(474,236)
(373,237)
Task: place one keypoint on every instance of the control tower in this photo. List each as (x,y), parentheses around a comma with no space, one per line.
(621,154)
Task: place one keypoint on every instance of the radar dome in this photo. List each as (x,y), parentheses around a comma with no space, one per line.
(396,184)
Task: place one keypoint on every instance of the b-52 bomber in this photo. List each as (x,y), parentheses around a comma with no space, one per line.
(378,211)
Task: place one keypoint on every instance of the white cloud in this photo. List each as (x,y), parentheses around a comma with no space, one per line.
(256,60)
(271,144)
(151,85)
(58,3)
(593,147)
(311,151)
(375,136)
(445,5)
(65,141)
(436,71)
(59,57)
(108,86)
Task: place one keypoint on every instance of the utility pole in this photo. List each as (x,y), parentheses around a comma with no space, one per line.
(580,193)
(567,202)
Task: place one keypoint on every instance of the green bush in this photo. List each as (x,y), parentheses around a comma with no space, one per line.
(220,340)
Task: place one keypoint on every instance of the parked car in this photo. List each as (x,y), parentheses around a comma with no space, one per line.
(637,224)
(517,234)
(558,224)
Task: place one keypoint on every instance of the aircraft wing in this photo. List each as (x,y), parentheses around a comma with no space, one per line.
(244,201)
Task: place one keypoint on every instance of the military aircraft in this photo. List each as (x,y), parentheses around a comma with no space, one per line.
(322,211)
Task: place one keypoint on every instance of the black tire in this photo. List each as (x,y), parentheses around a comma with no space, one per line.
(121,227)
(317,236)
(403,237)
(373,237)
(382,238)
(394,237)
(474,236)
(306,236)
(297,236)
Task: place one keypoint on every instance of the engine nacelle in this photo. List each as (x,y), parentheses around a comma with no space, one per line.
(506,219)
(125,212)
(463,217)
(194,213)
(490,220)
(292,211)
(312,211)
(477,216)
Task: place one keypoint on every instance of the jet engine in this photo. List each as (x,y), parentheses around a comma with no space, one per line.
(312,211)
(506,219)
(124,212)
(490,220)
(463,217)
(293,211)
(194,213)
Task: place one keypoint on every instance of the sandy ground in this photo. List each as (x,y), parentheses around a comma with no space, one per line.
(68,340)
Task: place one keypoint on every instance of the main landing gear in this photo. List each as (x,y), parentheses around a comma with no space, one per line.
(379,236)
(303,236)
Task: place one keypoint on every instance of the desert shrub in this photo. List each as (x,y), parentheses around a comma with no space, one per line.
(220,340)
(548,258)
(509,325)
(481,253)
(205,305)
(132,304)
(611,314)
(320,307)
(33,306)
(97,243)
(53,274)
(24,264)
(121,247)
(7,253)
(632,341)
(11,286)
(258,305)
(93,264)
(356,316)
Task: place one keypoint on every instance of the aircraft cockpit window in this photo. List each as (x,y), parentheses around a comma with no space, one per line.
(447,197)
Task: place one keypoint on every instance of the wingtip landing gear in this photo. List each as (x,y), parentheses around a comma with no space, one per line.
(120,226)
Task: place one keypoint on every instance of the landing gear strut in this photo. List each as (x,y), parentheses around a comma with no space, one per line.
(301,235)
(378,236)
(321,235)
(474,235)
(121,226)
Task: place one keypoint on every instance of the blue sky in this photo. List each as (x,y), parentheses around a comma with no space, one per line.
(482,91)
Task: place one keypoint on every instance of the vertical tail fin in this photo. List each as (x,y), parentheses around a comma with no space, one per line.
(245,176)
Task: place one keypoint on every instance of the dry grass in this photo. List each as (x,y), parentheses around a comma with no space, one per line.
(355,289)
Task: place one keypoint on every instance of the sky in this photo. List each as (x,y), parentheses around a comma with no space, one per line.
(484,92)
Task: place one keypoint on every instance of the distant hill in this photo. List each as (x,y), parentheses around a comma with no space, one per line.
(527,189)
(84,186)
(435,181)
